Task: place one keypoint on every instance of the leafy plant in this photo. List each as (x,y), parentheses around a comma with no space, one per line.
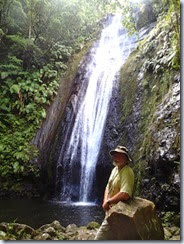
(38,39)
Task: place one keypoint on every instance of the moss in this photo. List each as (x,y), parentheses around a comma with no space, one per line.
(151,99)
(75,61)
(138,176)
(167,218)
(129,84)
(60,236)
(93,225)
(152,59)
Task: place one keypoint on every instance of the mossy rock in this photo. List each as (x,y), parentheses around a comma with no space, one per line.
(55,225)
(93,225)
(43,237)
(167,234)
(61,236)
(2,235)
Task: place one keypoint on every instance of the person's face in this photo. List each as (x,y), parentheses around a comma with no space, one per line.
(120,159)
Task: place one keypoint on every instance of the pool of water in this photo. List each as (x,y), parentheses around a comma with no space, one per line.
(36,213)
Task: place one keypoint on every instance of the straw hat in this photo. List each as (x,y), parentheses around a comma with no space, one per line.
(121,149)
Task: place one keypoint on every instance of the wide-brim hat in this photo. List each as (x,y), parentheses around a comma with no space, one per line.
(121,149)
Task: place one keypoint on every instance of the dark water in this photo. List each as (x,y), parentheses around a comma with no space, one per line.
(36,213)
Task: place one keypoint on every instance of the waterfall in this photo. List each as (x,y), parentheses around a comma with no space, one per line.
(84,135)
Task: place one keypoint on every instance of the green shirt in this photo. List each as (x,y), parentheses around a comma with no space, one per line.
(121,181)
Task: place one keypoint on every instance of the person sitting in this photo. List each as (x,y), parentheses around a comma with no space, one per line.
(119,187)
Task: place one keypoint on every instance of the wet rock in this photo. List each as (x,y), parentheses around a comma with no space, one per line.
(167,234)
(111,139)
(2,235)
(164,154)
(177,232)
(55,225)
(17,229)
(175,238)
(140,76)
(138,220)
(3,227)
(24,228)
(84,234)
(51,231)
(71,229)
(173,230)
(145,16)
(61,236)
(165,136)
(43,237)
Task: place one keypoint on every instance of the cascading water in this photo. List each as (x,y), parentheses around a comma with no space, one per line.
(83,136)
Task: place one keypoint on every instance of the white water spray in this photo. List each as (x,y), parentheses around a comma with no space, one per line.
(101,72)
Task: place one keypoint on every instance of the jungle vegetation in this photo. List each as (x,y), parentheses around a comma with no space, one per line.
(38,39)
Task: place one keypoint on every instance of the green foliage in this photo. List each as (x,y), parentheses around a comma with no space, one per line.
(173,19)
(93,225)
(24,97)
(38,38)
(167,218)
(128,21)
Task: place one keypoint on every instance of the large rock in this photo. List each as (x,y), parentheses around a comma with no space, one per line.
(84,234)
(71,230)
(55,225)
(43,237)
(135,219)
(16,231)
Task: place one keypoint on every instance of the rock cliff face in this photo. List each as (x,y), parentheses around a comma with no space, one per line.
(59,110)
(150,95)
(64,131)
(111,138)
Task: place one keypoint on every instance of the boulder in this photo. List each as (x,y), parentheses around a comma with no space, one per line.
(43,237)
(23,228)
(17,229)
(167,234)
(55,224)
(71,229)
(2,235)
(173,230)
(175,238)
(51,231)
(135,219)
(83,234)
(3,227)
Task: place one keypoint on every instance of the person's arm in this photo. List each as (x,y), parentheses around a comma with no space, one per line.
(120,196)
(105,195)
(105,208)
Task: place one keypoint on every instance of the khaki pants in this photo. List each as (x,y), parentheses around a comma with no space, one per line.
(104,232)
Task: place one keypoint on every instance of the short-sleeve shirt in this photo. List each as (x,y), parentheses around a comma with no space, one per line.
(121,181)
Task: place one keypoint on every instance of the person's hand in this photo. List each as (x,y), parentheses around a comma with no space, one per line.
(105,206)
